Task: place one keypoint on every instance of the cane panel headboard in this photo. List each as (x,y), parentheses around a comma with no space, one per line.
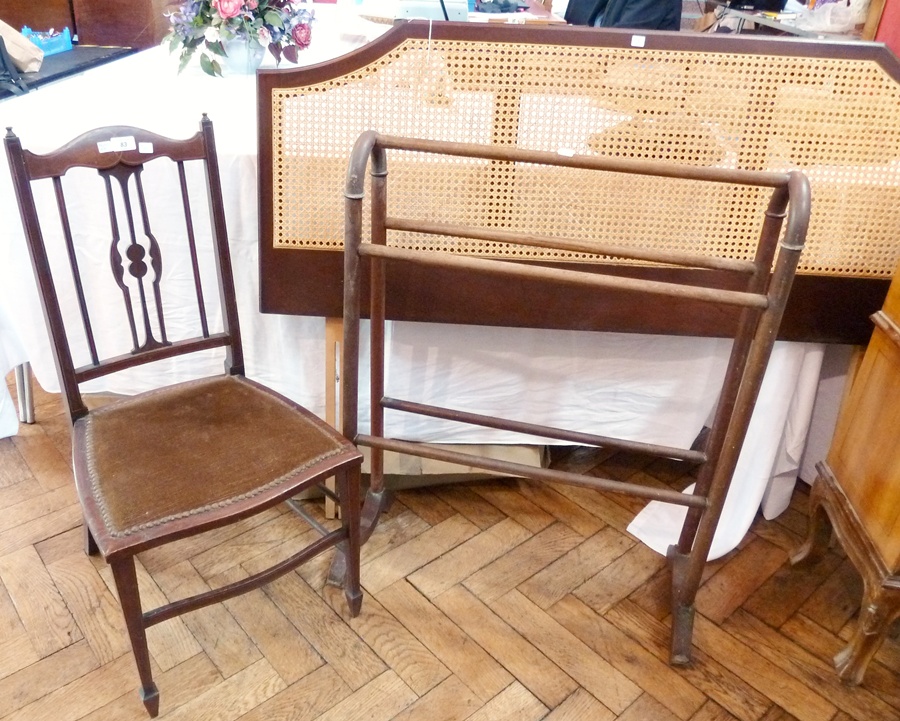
(831,109)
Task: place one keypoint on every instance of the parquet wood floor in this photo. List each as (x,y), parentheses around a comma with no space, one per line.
(488,601)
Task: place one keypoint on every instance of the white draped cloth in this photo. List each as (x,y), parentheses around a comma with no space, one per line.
(11,354)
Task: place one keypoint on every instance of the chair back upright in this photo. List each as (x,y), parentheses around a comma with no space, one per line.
(136,245)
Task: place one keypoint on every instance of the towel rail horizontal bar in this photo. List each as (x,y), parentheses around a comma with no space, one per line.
(507,468)
(588,162)
(575,437)
(572,277)
(669,257)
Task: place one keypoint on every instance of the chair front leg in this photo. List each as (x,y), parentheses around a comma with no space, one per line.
(130,599)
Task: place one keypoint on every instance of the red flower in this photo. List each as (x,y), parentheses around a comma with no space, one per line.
(228,8)
(301,35)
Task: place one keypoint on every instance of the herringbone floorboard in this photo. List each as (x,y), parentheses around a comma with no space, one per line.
(483,601)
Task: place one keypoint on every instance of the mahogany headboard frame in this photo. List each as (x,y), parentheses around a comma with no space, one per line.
(831,109)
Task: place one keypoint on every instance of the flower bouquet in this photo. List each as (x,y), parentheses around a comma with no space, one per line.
(282,26)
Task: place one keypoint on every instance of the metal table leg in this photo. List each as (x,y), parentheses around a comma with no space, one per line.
(23,393)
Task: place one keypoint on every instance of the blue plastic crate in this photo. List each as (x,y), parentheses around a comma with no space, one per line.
(50,44)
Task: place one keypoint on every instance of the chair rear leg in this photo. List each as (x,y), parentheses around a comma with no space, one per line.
(130,599)
(90,545)
(373,506)
(350,513)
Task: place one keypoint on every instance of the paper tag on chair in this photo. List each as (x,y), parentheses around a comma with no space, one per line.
(117,145)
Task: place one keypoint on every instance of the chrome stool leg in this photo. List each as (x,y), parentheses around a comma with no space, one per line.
(23,393)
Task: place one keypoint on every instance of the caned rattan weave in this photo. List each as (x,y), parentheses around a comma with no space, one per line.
(829,108)
(835,117)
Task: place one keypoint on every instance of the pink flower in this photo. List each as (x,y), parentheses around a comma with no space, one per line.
(302,34)
(228,8)
(252,4)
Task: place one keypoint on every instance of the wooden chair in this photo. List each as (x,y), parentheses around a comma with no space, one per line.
(757,286)
(157,467)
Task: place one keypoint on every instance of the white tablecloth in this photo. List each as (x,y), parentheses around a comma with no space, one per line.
(657,389)
(11,354)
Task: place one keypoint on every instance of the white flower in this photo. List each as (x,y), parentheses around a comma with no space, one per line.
(211,34)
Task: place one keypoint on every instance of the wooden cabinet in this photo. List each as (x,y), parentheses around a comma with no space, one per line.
(121,22)
(858,488)
(865,453)
(43,15)
(124,23)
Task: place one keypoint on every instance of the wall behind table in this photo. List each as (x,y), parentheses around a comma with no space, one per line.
(889,27)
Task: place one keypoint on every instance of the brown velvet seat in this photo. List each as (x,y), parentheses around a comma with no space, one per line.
(190,457)
(210,444)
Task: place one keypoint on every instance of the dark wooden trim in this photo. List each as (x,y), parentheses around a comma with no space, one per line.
(568,35)
(825,309)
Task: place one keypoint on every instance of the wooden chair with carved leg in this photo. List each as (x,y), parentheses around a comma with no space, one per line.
(170,463)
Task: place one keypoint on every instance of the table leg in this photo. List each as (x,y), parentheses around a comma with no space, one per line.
(24,394)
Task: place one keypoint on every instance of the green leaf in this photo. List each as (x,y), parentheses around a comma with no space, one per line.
(185,59)
(210,67)
(274,19)
(217,48)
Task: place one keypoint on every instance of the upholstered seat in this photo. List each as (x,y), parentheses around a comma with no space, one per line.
(213,445)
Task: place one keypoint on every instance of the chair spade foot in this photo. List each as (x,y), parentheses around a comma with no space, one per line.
(354,601)
(150,698)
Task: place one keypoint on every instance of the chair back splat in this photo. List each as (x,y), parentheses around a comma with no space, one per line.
(755,286)
(120,155)
(183,459)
